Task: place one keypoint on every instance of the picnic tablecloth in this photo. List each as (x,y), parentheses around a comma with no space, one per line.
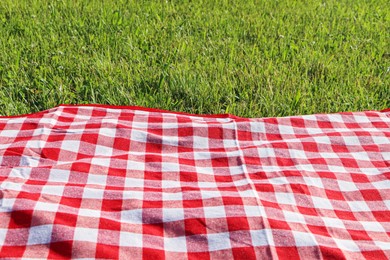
(93,181)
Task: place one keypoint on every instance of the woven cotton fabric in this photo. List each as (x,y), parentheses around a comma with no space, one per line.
(130,183)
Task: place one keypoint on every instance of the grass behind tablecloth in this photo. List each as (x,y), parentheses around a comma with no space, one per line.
(249,58)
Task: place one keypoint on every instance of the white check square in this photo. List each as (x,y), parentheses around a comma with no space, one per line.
(214,212)
(86,234)
(262,237)
(3,234)
(127,239)
(40,235)
(53,190)
(294,217)
(134,165)
(304,239)
(95,179)
(173,214)
(359,206)
(90,193)
(347,186)
(57,175)
(201,142)
(101,150)
(219,241)
(70,145)
(285,198)
(372,226)
(321,203)
(46,206)
(175,244)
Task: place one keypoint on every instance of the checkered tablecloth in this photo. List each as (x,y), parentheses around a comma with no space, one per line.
(130,183)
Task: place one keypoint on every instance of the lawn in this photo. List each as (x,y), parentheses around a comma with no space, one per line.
(248,58)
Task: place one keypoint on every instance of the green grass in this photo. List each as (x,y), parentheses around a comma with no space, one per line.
(248,58)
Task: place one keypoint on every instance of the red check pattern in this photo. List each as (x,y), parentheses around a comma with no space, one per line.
(130,183)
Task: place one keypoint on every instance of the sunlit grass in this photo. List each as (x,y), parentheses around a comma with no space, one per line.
(249,58)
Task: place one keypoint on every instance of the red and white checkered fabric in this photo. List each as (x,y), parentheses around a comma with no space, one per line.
(127,182)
